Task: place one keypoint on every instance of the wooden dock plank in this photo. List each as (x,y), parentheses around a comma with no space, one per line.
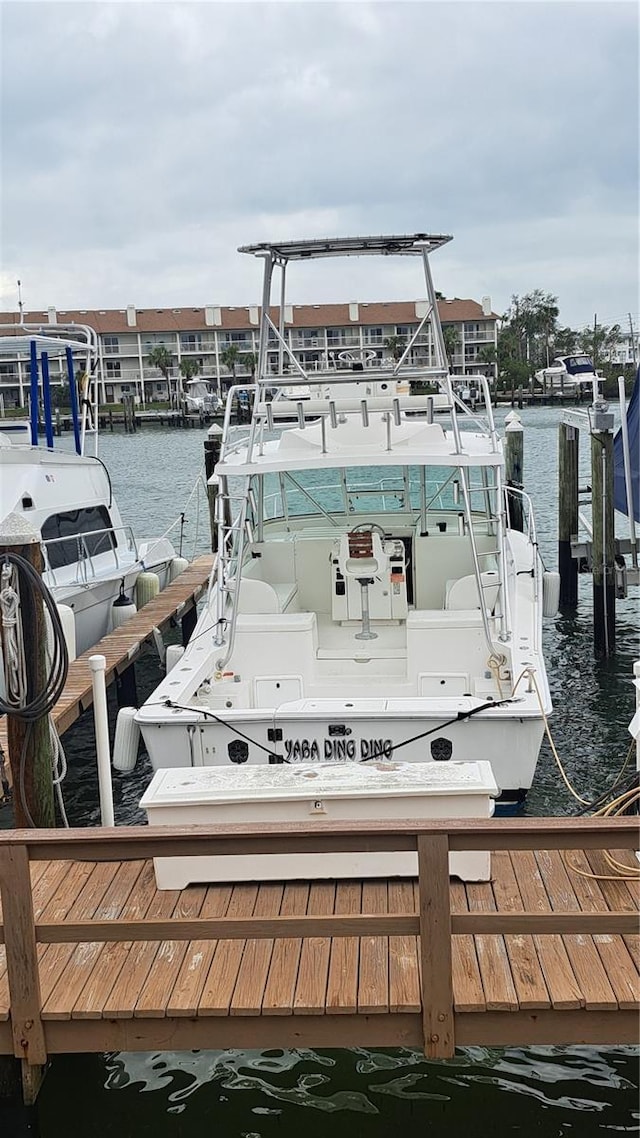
(616,959)
(404,974)
(78,967)
(187,989)
(342,982)
(112,958)
(219,985)
(527,974)
(493,960)
(597,992)
(468,993)
(165,966)
(91,881)
(283,970)
(248,994)
(564,990)
(313,969)
(621,896)
(121,1001)
(373,985)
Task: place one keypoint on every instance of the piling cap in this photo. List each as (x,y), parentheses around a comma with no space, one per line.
(512,417)
(214,431)
(16,530)
(97,663)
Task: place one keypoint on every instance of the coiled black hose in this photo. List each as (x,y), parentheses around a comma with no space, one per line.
(43,701)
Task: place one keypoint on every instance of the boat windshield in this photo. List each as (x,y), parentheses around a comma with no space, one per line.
(578,365)
(365,490)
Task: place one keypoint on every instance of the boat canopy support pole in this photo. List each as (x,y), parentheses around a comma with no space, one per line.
(73,398)
(46,400)
(283,293)
(34,390)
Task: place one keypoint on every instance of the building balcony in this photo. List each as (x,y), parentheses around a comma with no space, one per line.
(486,337)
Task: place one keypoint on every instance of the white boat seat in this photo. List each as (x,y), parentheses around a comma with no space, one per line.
(259,596)
(462,593)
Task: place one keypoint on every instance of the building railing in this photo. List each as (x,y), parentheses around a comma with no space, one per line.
(434,922)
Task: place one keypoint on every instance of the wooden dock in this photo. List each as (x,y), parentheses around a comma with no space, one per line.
(96,958)
(122,647)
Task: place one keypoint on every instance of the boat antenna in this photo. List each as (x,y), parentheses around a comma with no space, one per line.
(20,304)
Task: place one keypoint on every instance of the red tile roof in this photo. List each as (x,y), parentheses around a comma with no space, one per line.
(156,320)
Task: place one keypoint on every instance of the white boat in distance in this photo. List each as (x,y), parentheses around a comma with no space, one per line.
(371,599)
(91,557)
(573,374)
(201,395)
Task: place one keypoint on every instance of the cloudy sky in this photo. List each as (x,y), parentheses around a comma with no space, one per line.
(143,142)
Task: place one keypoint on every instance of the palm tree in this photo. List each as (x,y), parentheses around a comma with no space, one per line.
(250,360)
(451,339)
(229,357)
(160,357)
(487,355)
(395,345)
(189,368)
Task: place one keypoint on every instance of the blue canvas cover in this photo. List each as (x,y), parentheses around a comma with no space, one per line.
(633,423)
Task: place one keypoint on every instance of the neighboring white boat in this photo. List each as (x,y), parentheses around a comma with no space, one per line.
(90,555)
(574,373)
(201,396)
(370,599)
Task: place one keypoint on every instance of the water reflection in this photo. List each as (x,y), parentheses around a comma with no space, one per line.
(540,1091)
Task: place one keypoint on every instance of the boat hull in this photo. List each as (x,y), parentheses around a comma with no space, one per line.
(510,743)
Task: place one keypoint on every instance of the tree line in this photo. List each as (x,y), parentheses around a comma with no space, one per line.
(531,337)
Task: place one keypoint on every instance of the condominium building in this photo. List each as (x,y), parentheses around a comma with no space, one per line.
(320,336)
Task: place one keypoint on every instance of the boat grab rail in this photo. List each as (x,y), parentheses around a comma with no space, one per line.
(85,555)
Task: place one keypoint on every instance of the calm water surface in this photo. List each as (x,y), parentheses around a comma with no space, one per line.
(545,1092)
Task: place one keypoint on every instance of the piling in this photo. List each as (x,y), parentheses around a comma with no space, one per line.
(568,445)
(212,445)
(188,623)
(126,687)
(514,461)
(603,559)
(29,743)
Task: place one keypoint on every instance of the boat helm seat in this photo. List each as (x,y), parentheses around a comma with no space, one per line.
(362,555)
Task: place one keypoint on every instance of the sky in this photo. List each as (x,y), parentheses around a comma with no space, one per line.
(143,142)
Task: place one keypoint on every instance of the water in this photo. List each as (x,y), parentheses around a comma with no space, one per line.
(274,1094)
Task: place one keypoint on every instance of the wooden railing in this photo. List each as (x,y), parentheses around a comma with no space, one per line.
(434,923)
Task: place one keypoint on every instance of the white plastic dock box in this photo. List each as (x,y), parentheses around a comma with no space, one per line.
(340,792)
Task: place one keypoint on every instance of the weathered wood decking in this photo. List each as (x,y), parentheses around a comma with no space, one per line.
(123,646)
(99,959)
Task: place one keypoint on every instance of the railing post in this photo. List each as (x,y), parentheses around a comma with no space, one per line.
(22,956)
(435,947)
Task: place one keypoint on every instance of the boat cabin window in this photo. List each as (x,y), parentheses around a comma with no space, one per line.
(71,536)
(578,365)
